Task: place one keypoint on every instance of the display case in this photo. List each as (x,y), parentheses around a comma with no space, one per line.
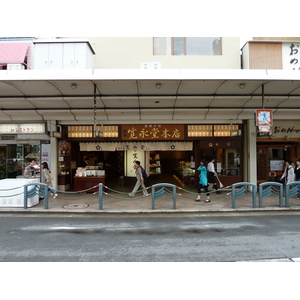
(88,179)
(154,165)
(185,170)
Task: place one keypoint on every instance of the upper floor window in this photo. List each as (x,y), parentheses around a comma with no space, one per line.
(187,45)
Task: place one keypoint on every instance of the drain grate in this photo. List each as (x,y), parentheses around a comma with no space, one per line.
(75,205)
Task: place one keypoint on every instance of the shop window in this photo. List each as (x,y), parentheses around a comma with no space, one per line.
(213,130)
(276,153)
(86,131)
(225,130)
(227,161)
(2,162)
(14,158)
(200,130)
(187,46)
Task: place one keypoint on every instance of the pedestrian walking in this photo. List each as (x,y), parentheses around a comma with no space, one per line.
(288,174)
(139,180)
(203,181)
(212,174)
(29,171)
(47,178)
(297,175)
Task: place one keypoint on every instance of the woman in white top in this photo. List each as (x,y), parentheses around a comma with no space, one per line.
(211,174)
(288,175)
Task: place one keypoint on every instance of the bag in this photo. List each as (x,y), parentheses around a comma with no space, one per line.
(144,174)
(51,176)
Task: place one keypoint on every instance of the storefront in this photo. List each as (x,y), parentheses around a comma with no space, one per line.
(282,143)
(165,151)
(19,143)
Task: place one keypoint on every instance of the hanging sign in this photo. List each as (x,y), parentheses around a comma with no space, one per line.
(264,117)
(131,157)
(263,128)
(22,128)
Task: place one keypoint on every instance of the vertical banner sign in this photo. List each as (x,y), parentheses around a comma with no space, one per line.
(131,157)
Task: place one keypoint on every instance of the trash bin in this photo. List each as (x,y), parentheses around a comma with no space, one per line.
(121,181)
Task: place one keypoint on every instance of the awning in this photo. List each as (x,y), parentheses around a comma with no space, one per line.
(130,96)
(13,53)
(135,146)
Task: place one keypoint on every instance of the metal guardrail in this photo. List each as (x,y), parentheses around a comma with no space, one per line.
(267,189)
(166,189)
(239,189)
(291,189)
(156,194)
(37,189)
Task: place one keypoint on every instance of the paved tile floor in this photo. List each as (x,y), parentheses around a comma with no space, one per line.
(116,199)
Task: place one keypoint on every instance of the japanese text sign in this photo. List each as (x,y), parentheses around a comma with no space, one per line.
(152,132)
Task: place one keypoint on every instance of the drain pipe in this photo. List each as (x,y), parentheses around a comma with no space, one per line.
(263,95)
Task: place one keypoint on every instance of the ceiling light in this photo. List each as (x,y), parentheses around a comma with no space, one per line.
(73,85)
(158,85)
(242,85)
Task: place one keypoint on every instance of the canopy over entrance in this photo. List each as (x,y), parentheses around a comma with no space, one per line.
(147,96)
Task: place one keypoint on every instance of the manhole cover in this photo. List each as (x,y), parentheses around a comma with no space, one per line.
(75,205)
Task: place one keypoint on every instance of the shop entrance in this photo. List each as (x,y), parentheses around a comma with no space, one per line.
(110,161)
(270,160)
(167,166)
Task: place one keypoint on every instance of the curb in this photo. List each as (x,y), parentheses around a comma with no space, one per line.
(169,212)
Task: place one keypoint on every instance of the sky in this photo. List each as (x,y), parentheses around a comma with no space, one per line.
(138,18)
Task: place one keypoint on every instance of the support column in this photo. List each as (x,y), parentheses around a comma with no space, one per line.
(53,166)
(53,152)
(250,151)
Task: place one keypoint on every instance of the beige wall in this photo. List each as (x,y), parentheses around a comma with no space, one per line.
(129,53)
(265,55)
(276,38)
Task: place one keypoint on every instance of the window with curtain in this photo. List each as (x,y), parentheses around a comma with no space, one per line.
(187,45)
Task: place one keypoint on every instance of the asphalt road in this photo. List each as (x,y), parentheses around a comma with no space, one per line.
(150,239)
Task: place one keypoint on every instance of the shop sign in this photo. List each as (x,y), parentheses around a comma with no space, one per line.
(152,132)
(264,129)
(137,146)
(264,117)
(286,129)
(22,128)
(291,56)
(131,158)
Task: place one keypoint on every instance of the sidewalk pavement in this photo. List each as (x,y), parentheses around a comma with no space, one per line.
(116,203)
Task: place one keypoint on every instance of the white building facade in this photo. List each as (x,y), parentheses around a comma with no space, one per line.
(92,93)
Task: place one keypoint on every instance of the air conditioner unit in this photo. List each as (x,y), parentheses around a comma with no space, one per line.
(150,65)
(15,67)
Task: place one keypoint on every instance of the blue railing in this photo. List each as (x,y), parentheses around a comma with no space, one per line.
(291,189)
(163,191)
(237,190)
(268,189)
(240,189)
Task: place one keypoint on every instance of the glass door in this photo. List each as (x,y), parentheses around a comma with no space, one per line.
(15,157)
(2,162)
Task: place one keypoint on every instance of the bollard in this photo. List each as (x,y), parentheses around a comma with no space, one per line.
(100,195)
